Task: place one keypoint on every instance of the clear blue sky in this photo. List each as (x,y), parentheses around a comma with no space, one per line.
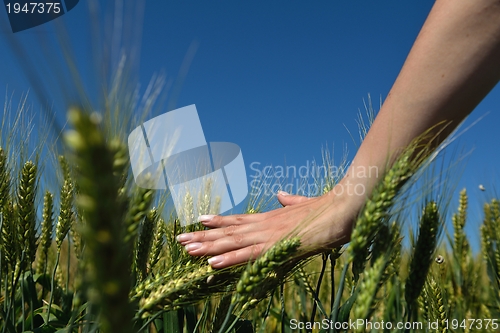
(281,79)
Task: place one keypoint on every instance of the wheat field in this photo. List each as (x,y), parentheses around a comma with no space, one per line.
(100,255)
(84,249)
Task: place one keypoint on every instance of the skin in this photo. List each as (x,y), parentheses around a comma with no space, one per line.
(452,66)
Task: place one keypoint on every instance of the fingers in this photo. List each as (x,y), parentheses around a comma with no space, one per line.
(231,246)
(236,239)
(237,257)
(217,221)
(288,199)
(225,244)
(235,231)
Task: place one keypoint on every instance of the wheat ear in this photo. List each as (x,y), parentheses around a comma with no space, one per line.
(47,229)
(422,255)
(107,253)
(27,213)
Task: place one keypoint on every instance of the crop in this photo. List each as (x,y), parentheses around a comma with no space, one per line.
(123,270)
(83,249)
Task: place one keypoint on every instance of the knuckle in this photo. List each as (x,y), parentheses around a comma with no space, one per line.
(229,231)
(200,235)
(255,251)
(207,246)
(217,221)
(238,239)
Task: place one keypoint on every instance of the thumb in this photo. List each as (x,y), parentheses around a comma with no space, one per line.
(287,199)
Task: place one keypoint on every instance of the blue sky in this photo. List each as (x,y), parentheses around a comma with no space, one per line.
(281,79)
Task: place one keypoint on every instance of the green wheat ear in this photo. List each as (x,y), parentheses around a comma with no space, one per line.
(175,288)
(376,210)
(66,213)
(490,241)
(144,244)
(188,210)
(27,213)
(437,308)
(422,255)
(9,242)
(47,229)
(368,287)
(251,280)
(139,205)
(158,243)
(65,168)
(108,254)
(460,244)
(377,207)
(4,178)
(120,162)
(205,198)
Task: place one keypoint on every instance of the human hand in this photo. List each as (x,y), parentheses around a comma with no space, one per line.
(321,222)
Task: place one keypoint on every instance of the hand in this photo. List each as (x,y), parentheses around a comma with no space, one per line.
(321,222)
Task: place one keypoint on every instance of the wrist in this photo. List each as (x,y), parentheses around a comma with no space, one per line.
(354,189)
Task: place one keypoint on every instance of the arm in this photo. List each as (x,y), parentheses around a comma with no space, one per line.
(452,66)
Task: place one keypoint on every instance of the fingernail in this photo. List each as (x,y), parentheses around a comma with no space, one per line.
(184,237)
(192,246)
(283,193)
(205,218)
(216,260)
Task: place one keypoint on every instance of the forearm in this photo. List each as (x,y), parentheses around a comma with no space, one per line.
(452,66)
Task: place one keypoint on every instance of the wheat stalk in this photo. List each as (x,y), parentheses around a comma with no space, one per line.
(46,234)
